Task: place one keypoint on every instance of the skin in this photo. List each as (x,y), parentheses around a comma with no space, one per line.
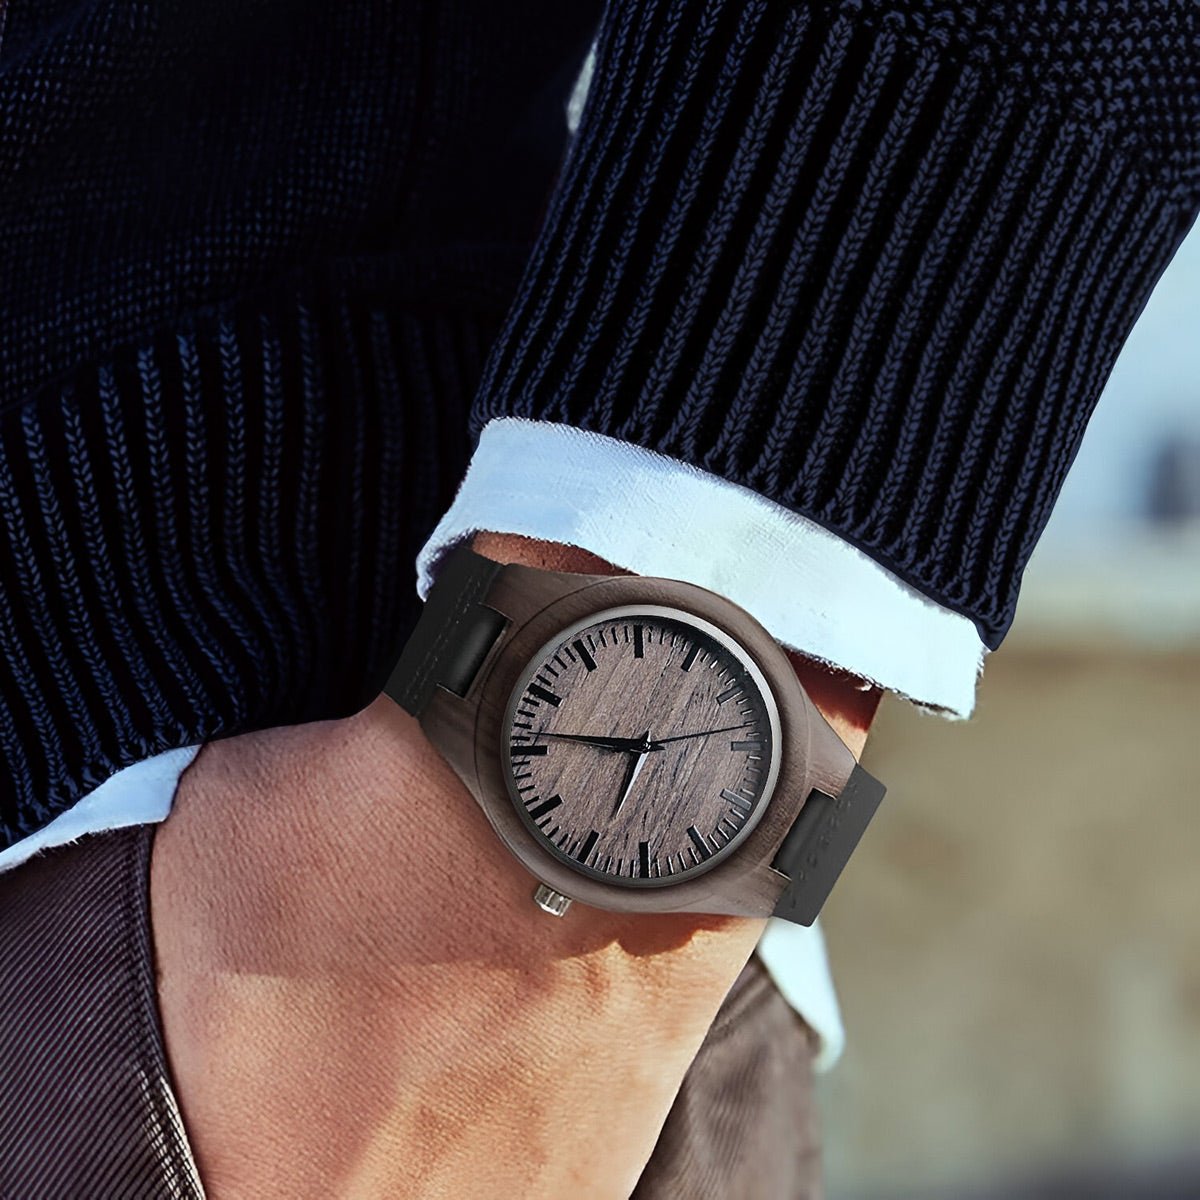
(359,999)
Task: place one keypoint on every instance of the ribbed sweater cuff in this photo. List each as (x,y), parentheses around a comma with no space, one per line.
(213,531)
(874,261)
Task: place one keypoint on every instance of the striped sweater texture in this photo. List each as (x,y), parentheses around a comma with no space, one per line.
(267,268)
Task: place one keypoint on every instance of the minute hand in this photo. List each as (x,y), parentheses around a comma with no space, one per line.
(682,737)
(633,745)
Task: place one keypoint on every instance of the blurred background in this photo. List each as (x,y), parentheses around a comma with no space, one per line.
(1016,942)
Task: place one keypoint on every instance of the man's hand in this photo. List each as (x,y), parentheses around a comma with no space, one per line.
(359,999)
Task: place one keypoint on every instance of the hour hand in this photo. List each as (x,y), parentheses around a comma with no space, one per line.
(631,745)
(634,771)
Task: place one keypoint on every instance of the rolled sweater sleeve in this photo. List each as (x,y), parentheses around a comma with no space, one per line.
(872,260)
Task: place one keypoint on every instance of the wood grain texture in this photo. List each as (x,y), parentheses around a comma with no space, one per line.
(638,674)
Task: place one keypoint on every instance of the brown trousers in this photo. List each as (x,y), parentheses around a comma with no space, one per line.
(86,1106)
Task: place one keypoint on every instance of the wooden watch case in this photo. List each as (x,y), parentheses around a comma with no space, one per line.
(538,604)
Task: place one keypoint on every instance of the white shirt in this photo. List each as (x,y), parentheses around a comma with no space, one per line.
(655,515)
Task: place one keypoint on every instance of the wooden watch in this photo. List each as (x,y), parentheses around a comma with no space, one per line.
(639,744)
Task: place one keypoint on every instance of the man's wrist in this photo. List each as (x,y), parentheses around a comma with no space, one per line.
(331,906)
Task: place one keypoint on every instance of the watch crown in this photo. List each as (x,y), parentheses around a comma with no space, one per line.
(550,901)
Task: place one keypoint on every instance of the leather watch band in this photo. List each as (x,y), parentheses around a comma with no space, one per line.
(817,846)
(453,635)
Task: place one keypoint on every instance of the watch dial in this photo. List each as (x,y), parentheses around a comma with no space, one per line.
(641,746)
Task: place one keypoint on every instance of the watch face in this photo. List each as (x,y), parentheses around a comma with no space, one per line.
(641,745)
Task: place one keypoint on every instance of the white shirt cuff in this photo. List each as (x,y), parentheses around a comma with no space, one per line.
(655,515)
(140,794)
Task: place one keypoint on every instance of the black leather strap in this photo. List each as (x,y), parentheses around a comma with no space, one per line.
(452,636)
(819,843)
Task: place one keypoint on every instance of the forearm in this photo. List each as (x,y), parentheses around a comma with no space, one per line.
(462,1041)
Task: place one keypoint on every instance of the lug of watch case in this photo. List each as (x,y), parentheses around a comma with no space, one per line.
(532,607)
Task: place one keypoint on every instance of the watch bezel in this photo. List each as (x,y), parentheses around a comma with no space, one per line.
(711,630)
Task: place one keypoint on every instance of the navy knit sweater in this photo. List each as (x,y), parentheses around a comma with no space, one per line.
(268,266)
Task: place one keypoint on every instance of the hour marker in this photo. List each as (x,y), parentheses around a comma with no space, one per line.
(736,800)
(524,751)
(584,654)
(686,665)
(702,847)
(745,746)
(589,844)
(546,806)
(727,694)
(639,648)
(536,689)
(644,859)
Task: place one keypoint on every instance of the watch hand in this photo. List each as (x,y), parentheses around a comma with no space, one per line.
(638,762)
(682,737)
(632,745)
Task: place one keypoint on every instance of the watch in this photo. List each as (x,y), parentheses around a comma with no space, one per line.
(639,744)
